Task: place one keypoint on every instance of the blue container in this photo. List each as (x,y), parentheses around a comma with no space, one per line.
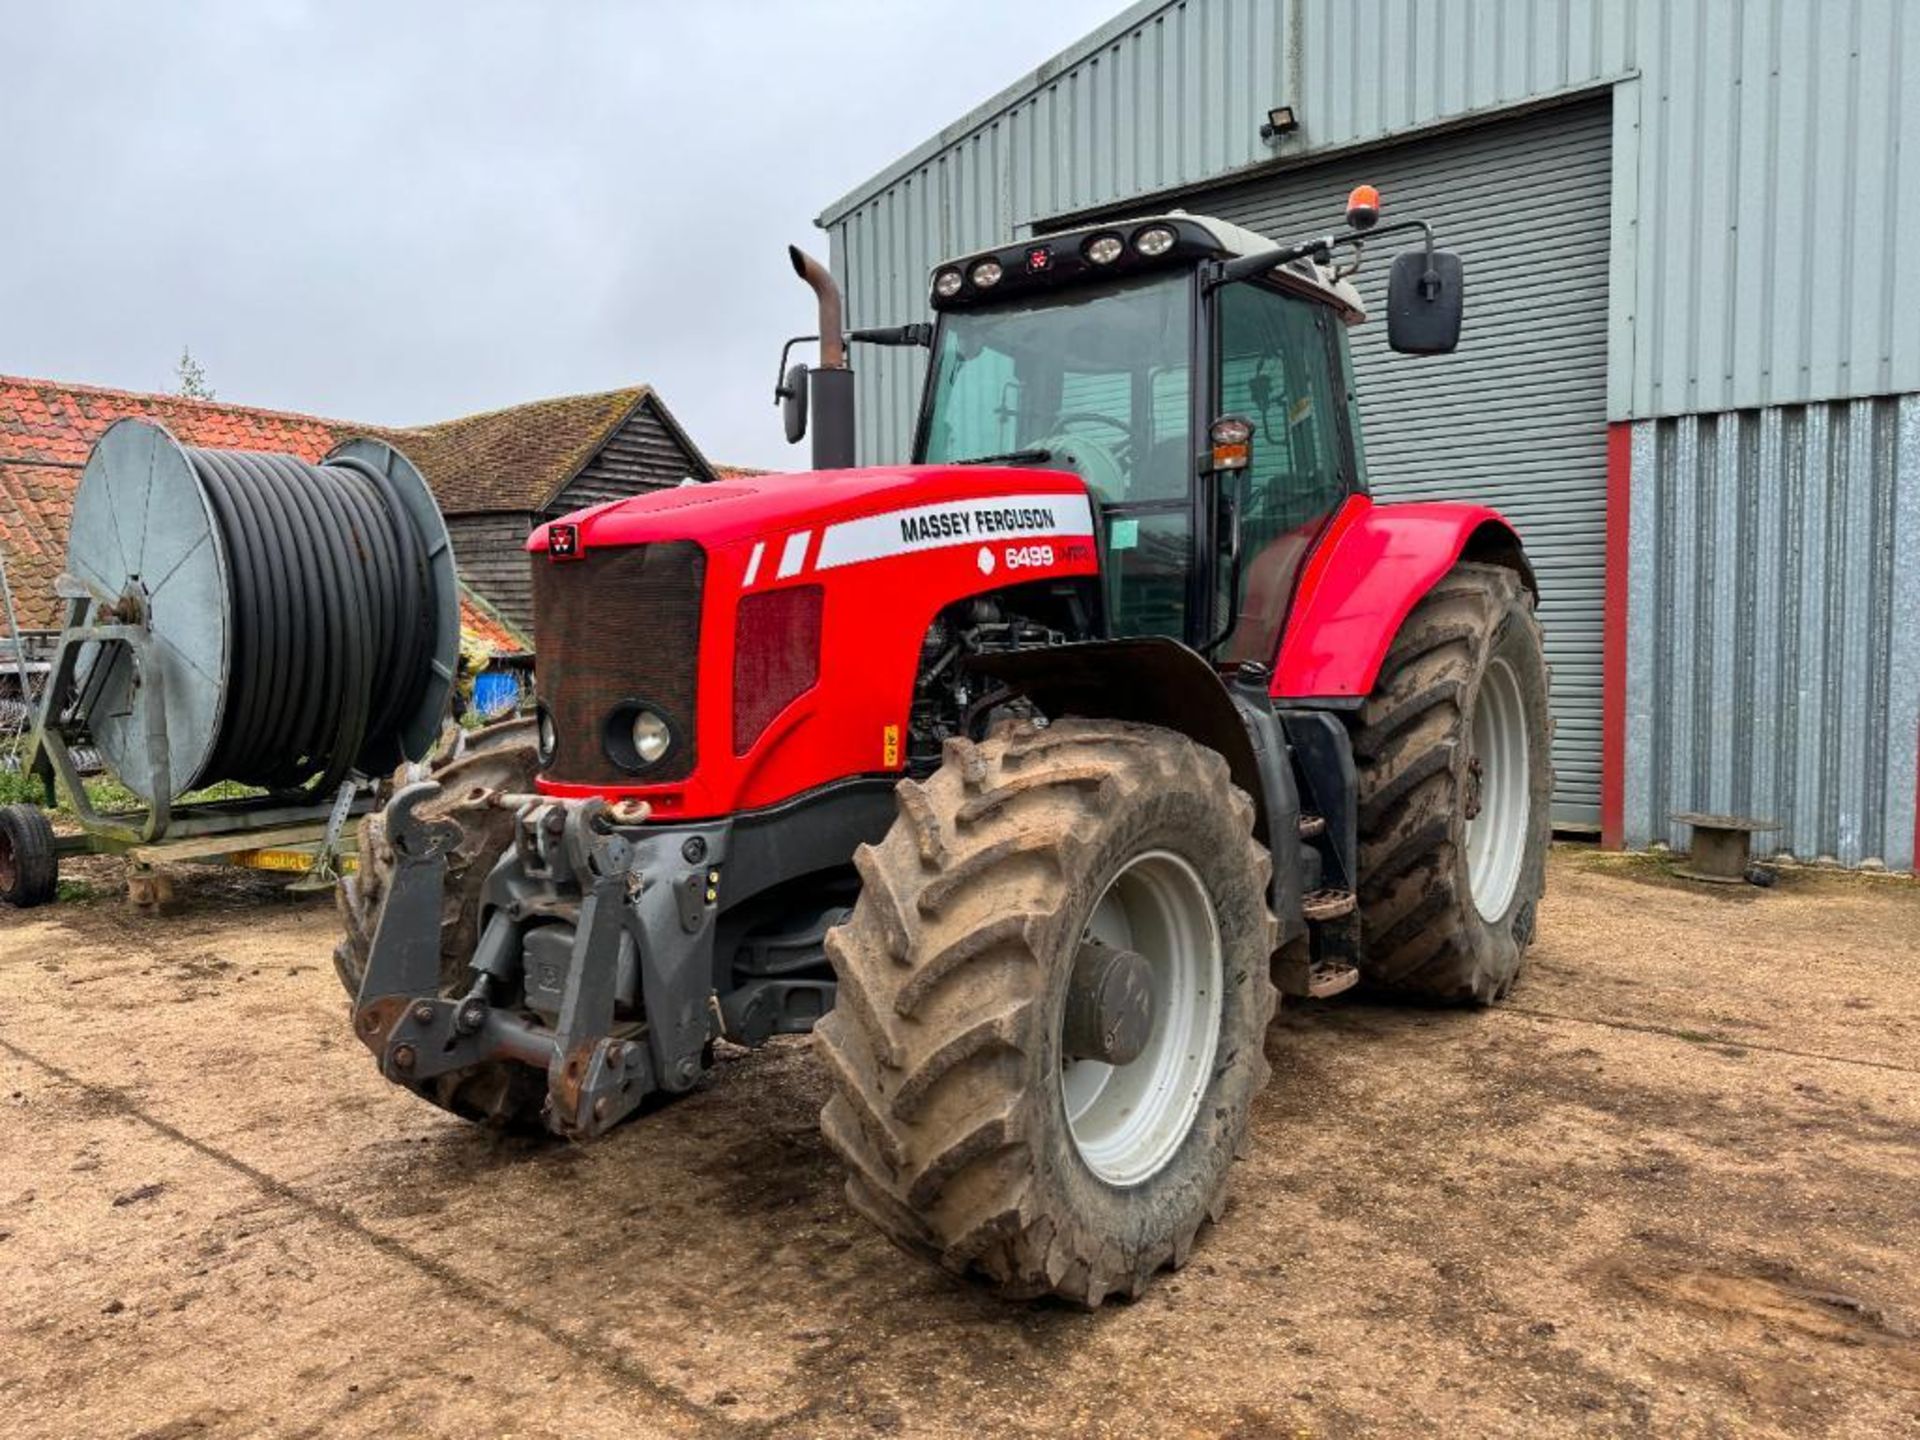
(495,693)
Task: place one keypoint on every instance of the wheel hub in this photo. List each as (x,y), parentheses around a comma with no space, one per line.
(1146,990)
(1109,1005)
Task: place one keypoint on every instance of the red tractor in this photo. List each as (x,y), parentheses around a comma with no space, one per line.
(1024,776)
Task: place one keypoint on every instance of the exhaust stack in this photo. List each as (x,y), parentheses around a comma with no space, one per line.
(830,384)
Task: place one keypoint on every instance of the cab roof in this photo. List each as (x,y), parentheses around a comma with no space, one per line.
(1197,237)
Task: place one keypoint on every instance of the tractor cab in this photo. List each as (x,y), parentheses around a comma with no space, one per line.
(1196,378)
(1207,404)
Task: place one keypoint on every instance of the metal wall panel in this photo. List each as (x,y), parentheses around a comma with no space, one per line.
(1767,208)
(1778,209)
(1532,356)
(1773,656)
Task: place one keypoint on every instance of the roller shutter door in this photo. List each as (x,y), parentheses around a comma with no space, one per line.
(1517,417)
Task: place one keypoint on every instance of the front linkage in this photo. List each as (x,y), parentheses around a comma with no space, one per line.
(585,918)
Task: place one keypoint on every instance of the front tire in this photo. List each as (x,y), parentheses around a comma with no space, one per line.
(1455,789)
(969,1135)
(495,758)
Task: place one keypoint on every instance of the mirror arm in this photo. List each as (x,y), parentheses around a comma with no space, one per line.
(780,391)
(921,335)
(1320,248)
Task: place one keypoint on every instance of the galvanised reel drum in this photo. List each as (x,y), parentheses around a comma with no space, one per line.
(302,620)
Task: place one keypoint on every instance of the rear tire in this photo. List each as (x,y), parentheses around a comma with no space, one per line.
(496,758)
(945,1045)
(1457,723)
(29,868)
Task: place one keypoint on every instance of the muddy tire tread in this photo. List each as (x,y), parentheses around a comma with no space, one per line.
(1421,936)
(942,967)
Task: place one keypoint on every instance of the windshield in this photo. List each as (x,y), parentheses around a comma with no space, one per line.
(1096,376)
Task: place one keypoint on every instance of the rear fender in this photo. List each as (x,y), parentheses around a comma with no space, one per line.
(1370,568)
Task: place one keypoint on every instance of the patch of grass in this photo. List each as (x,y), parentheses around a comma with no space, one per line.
(76,892)
(18,789)
(1696,1037)
(105,793)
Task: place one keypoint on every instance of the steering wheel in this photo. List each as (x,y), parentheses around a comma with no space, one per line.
(1099,419)
(1106,467)
(1121,449)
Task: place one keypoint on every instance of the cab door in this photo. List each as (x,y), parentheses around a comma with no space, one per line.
(1279,364)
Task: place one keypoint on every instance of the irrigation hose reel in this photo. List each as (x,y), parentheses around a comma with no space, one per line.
(245,616)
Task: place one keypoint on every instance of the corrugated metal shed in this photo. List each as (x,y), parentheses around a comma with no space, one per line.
(1758,154)
(1773,666)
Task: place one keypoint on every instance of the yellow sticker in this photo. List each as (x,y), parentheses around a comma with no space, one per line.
(292,862)
(890,746)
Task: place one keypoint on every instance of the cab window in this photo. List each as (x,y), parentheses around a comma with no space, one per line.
(1096,375)
(1278,356)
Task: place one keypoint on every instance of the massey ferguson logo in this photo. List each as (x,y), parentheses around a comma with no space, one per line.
(973,524)
(967,524)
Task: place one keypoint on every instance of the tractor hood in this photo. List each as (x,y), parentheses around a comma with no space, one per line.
(719,610)
(936,502)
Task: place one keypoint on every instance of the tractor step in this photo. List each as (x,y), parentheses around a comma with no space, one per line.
(1330,978)
(1312,826)
(1296,974)
(1327,905)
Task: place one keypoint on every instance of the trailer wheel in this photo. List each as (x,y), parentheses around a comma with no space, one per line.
(1005,1102)
(29,868)
(1455,786)
(496,757)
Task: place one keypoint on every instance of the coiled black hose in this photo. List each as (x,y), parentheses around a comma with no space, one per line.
(332,624)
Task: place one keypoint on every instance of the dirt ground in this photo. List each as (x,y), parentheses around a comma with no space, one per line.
(1673,1187)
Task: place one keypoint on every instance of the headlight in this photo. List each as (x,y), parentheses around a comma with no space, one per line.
(1154,241)
(651,737)
(1104,249)
(947,284)
(635,736)
(987,274)
(546,739)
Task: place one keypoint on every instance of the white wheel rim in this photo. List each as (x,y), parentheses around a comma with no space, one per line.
(1497,834)
(1128,1121)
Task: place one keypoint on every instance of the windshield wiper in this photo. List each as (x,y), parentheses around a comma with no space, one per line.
(1011,457)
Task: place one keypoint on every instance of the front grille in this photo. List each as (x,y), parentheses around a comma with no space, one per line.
(617,627)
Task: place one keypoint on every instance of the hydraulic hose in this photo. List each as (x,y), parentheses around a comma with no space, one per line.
(333,618)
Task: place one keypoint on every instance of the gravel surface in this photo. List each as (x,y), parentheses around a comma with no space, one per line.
(1672,1187)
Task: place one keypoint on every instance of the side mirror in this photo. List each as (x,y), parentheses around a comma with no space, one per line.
(793,404)
(1424,302)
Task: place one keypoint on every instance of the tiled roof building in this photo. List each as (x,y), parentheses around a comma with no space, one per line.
(496,475)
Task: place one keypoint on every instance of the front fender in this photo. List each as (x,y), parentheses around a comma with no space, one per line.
(1369,570)
(1146,679)
(1155,681)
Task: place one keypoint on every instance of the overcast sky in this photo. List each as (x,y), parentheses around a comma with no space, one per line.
(403,212)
